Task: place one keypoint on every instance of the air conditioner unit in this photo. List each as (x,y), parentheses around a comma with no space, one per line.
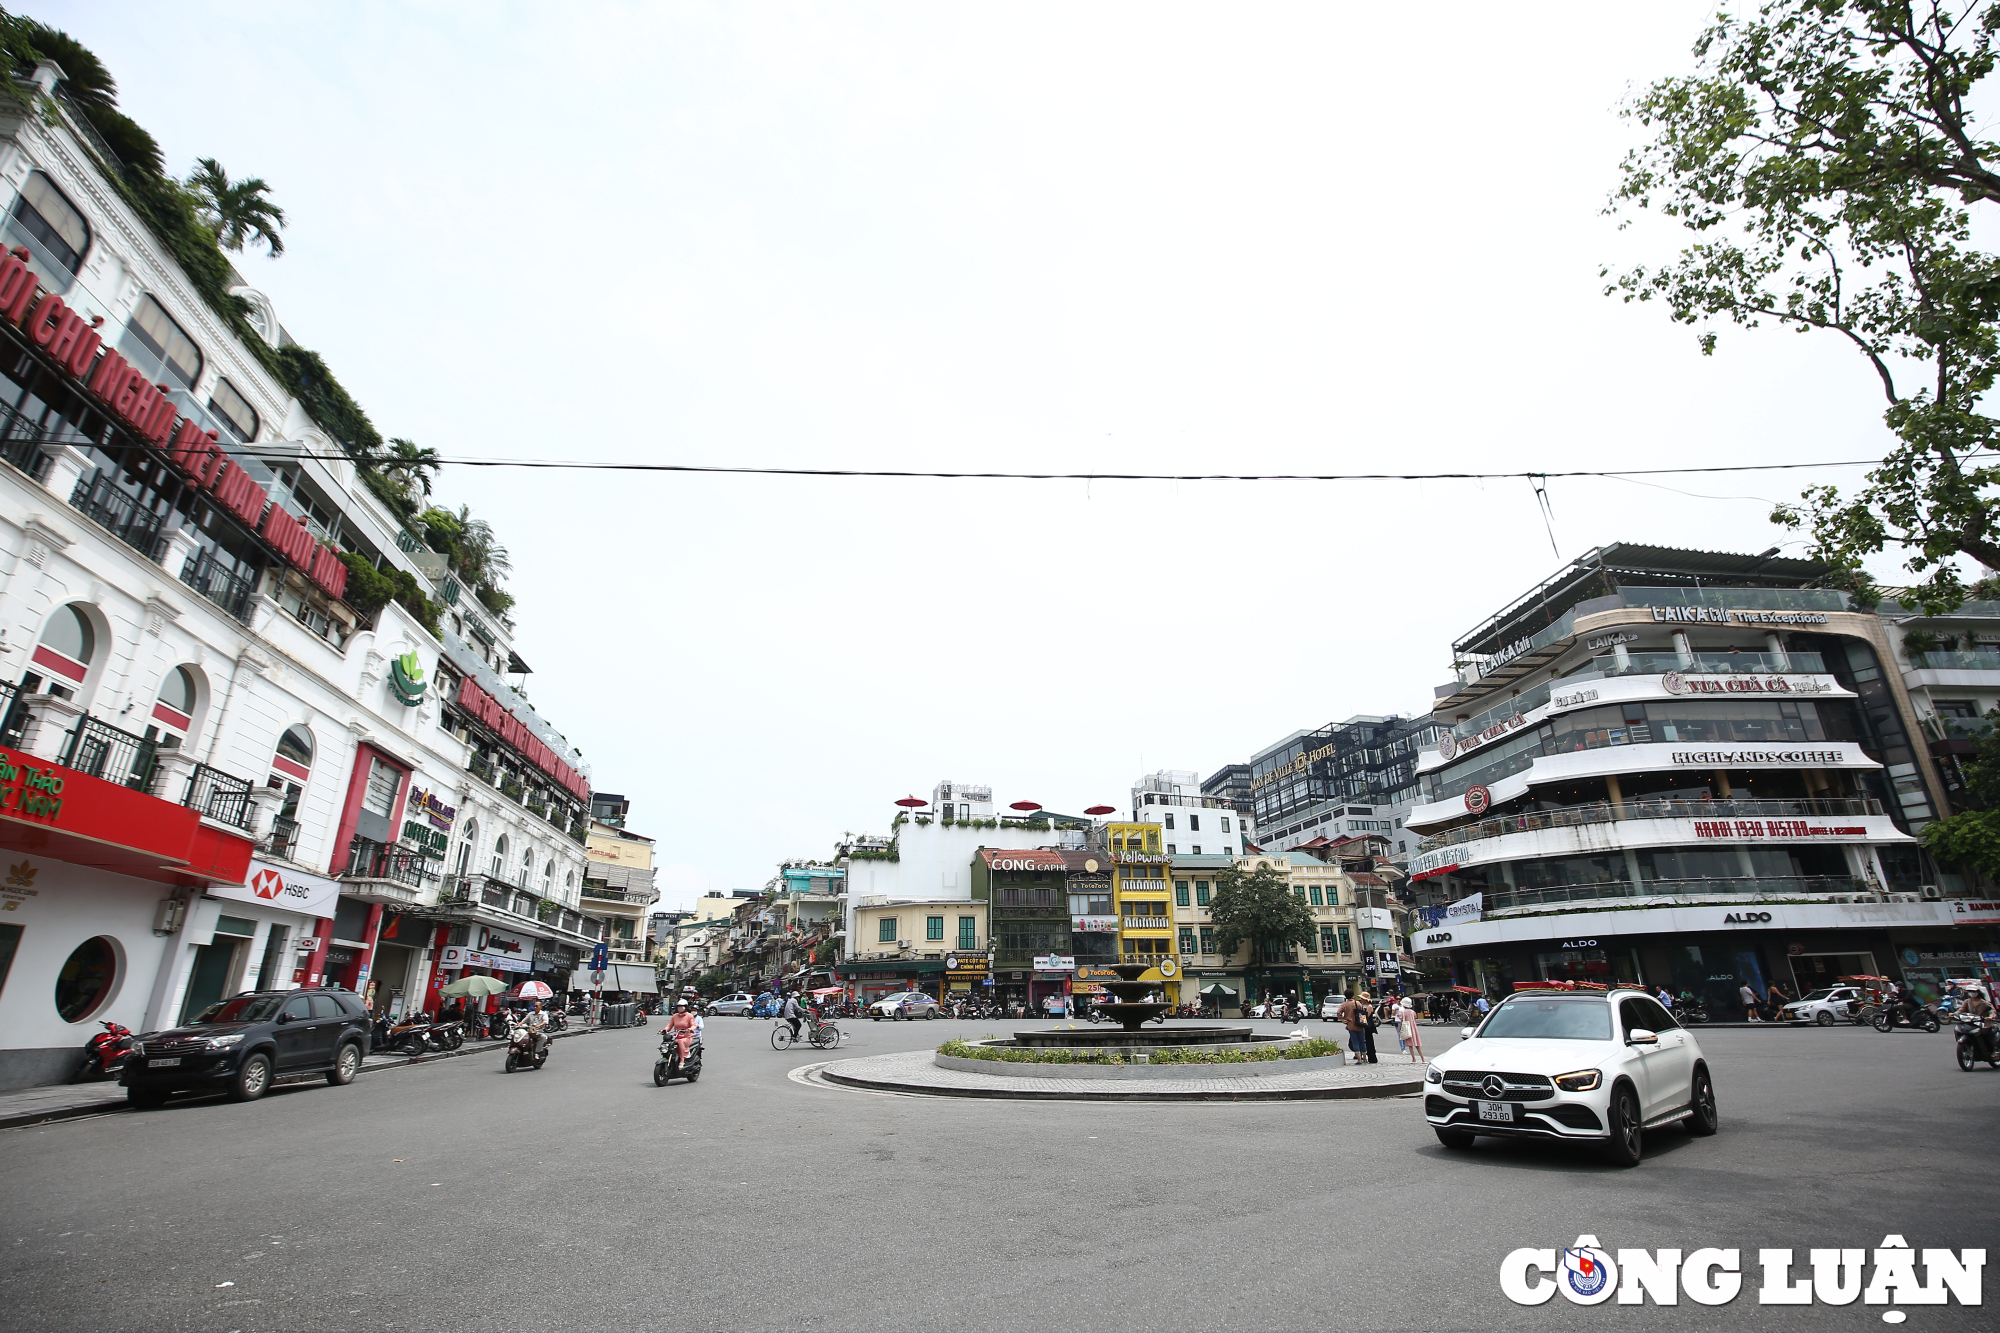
(1845,898)
(1931,891)
(1904,898)
(902,944)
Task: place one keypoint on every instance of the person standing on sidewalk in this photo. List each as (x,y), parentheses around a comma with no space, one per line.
(1354,1017)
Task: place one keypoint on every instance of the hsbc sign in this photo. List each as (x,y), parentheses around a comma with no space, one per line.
(292,890)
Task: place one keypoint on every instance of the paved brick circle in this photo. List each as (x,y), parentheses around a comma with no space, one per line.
(914,1073)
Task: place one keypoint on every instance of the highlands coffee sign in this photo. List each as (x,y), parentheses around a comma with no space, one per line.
(73,343)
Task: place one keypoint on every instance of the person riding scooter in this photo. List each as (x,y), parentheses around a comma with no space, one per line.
(684,1026)
(1978,1011)
(537,1023)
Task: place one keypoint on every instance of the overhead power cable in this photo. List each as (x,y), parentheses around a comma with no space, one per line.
(392,465)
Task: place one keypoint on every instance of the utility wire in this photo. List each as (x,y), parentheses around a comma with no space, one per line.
(389,464)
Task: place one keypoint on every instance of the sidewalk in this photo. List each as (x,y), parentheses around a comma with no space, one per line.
(66,1101)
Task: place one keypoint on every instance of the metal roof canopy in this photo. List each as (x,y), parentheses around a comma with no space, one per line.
(1603,570)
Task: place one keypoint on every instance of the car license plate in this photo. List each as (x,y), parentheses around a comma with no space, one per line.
(162,1064)
(1503,1111)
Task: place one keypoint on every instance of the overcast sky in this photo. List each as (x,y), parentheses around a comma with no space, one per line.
(1068,237)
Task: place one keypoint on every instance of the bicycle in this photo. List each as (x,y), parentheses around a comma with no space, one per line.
(823,1036)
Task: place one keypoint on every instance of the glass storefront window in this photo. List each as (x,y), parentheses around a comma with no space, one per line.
(1606,967)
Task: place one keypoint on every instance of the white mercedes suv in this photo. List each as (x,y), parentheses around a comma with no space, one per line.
(1596,1066)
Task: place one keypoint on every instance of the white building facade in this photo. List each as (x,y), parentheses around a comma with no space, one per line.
(175,629)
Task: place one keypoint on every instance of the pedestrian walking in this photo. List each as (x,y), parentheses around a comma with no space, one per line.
(1749,998)
(1413,1041)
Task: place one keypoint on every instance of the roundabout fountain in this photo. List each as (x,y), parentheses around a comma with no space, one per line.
(1135,1062)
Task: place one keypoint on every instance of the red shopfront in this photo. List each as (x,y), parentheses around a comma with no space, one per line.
(377,788)
(98,884)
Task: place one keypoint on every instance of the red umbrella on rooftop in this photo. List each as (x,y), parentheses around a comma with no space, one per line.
(1101,810)
(1026,805)
(912,802)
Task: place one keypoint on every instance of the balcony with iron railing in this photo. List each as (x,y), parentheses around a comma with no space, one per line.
(1605,812)
(285,838)
(1723,664)
(221,796)
(99,498)
(603,892)
(491,894)
(232,591)
(26,443)
(387,872)
(1761,888)
(104,751)
(1961,661)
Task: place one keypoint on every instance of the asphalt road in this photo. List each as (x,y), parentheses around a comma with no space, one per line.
(451,1196)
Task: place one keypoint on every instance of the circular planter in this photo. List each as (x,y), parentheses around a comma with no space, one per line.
(1255,1069)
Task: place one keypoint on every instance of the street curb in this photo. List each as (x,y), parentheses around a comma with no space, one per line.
(115,1107)
(1351,1092)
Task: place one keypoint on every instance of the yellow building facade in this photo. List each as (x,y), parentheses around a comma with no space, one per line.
(1143,899)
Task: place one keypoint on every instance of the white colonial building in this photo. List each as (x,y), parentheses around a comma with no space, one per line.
(225,775)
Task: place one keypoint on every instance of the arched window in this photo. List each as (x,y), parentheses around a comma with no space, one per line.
(156,331)
(296,748)
(527,866)
(233,410)
(548,879)
(67,645)
(499,863)
(173,708)
(465,847)
(53,221)
(70,634)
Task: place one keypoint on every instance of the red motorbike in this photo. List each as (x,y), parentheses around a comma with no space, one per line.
(105,1054)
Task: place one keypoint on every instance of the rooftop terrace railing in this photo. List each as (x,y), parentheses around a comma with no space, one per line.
(1603,812)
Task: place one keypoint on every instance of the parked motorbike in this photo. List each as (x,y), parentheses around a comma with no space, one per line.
(445,1036)
(1977,1041)
(558,1021)
(1894,1015)
(407,1034)
(1690,1010)
(105,1054)
(671,1066)
(527,1048)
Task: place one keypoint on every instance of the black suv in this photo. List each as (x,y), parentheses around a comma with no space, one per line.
(240,1045)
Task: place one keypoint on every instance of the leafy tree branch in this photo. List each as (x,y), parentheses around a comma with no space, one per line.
(1824,155)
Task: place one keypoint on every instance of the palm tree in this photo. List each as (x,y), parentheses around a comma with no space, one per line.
(481,557)
(410,467)
(236,211)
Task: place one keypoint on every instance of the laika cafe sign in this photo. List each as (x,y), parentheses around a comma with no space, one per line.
(143,407)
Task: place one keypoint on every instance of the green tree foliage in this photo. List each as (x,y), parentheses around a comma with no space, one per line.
(90,88)
(370,589)
(194,222)
(1972,837)
(1261,908)
(410,467)
(236,211)
(1825,154)
(306,375)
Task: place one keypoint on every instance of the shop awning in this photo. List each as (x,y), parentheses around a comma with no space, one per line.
(90,822)
(635,977)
